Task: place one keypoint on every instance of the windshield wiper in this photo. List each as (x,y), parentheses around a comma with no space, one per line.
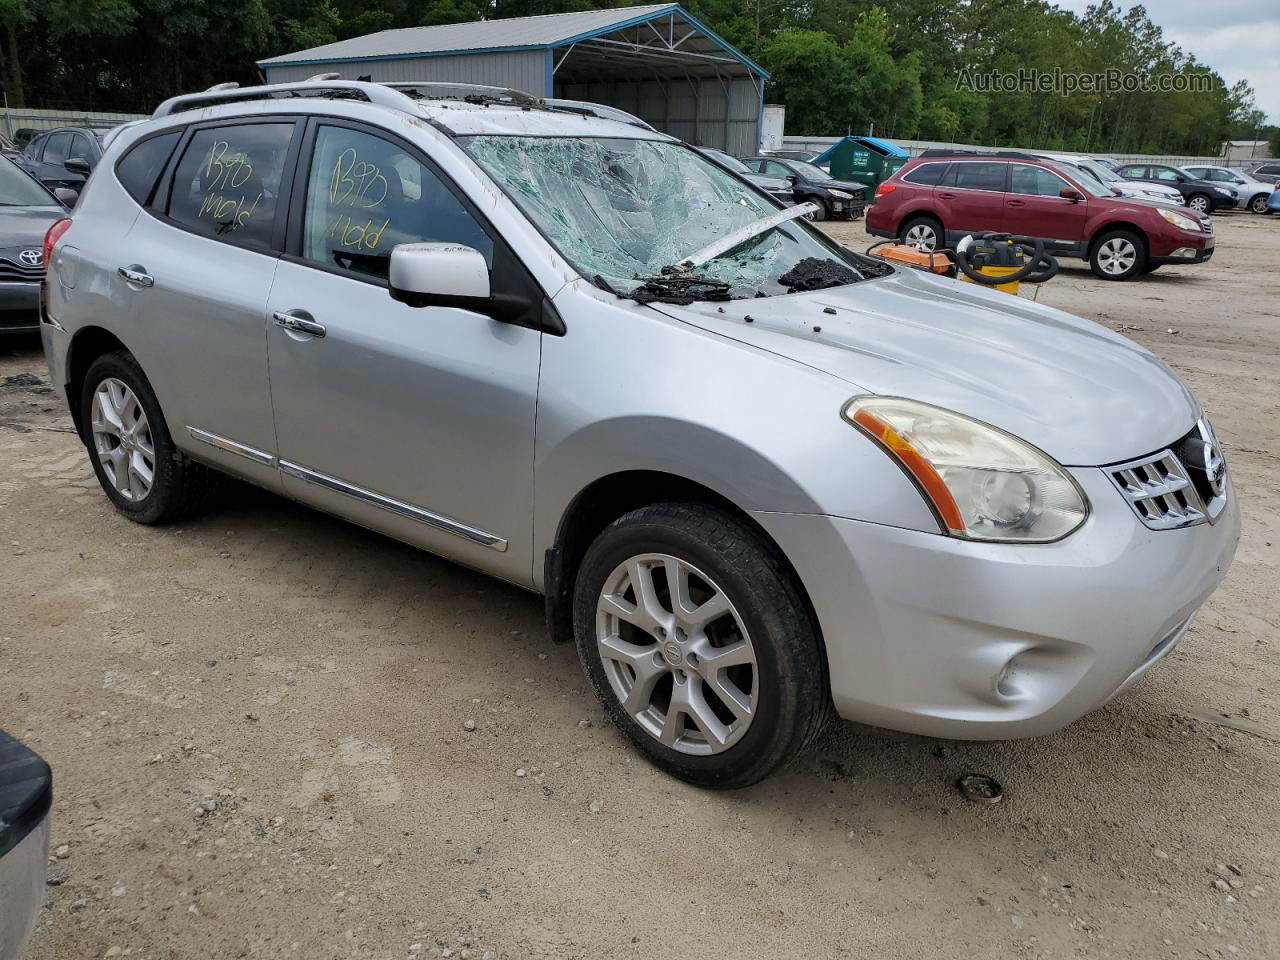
(677,286)
(743,234)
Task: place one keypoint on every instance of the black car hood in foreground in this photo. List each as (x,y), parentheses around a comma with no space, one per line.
(26,226)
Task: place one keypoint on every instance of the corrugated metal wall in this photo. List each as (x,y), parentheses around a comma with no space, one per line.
(692,109)
(521,70)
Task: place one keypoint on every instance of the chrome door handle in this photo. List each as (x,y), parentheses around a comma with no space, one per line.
(137,275)
(298,324)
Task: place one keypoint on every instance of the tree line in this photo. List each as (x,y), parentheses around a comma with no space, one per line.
(899,70)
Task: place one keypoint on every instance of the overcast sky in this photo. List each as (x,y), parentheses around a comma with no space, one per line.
(1238,38)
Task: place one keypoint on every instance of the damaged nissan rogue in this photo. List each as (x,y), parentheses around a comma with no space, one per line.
(758,479)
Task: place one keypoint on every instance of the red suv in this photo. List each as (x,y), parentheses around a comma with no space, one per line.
(938,197)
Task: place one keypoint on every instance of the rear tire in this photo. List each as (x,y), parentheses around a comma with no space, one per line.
(142,473)
(651,663)
(1259,204)
(1118,255)
(923,232)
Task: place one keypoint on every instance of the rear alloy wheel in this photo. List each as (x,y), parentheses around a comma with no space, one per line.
(1199,203)
(698,641)
(921,233)
(1258,204)
(1118,255)
(122,440)
(141,471)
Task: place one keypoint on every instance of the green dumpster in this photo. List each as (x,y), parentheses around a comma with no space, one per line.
(866,160)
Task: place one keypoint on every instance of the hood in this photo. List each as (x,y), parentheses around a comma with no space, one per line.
(771,184)
(854,188)
(1078,391)
(26,226)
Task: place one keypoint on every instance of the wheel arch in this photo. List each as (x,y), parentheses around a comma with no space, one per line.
(87,345)
(603,501)
(1104,228)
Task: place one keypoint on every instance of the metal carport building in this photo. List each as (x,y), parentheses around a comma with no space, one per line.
(656,62)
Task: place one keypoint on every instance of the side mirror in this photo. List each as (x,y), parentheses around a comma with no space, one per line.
(793,179)
(1117,192)
(67,196)
(1066,193)
(78,165)
(440,275)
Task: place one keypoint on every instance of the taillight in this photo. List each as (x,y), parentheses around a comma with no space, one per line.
(886,188)
(51,237)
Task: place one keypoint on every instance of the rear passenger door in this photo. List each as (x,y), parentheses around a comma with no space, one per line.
(1034,208)
(971,196)
(194,274)
(415,421)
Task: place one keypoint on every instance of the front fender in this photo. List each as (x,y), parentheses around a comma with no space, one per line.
(631,389)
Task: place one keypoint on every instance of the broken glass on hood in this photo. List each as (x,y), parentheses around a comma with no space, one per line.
(625,212)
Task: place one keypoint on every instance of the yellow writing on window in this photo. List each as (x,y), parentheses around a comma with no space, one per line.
(356,182)
(224,169)
(347,232)
(231,212)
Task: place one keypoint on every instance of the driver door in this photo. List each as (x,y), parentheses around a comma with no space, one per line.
(414,421)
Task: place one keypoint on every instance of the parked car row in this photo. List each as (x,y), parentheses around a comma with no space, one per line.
(940,196)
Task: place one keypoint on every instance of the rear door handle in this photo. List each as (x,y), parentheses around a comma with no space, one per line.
(137,275)
(1017,203)
(947,196)
(299,322)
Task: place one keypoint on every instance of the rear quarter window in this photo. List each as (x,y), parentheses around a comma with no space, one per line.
(926,175)
(140,168)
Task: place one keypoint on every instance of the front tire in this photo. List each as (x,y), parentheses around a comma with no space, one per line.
(1118,255)
(1200,203)
(700,645)
(821,213)
(142,473)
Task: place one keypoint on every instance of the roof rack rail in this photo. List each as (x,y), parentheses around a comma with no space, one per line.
(958,152)
(599,110)
(372,92)
(464,91)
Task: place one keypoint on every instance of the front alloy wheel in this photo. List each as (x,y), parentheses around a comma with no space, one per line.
(700,643)
(677,654)
(1117,256)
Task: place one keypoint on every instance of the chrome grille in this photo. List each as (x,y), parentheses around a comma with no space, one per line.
(12,270)
(1177,487)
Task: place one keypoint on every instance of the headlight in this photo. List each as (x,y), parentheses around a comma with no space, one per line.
(1224,192)
(1178,220)
(841,194)
(982,483)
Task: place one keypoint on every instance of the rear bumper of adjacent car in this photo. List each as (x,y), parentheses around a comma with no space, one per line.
(19,307)
(955,638)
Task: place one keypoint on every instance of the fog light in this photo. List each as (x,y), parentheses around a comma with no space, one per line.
(1185,252)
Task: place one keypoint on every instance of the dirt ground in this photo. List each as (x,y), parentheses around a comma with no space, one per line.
(256,726)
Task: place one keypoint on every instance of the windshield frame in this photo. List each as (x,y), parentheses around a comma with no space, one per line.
(866,266)
(22,177)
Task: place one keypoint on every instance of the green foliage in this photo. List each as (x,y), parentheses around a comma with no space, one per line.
(840,66)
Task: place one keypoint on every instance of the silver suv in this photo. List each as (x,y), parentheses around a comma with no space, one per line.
(758,478)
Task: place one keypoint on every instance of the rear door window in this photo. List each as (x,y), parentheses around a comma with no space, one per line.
(980,175)
(227,184)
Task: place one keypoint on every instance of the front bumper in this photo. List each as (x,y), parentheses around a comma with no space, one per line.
(19,307)
(953,638)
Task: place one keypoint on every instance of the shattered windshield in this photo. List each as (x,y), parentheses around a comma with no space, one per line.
(626,212)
